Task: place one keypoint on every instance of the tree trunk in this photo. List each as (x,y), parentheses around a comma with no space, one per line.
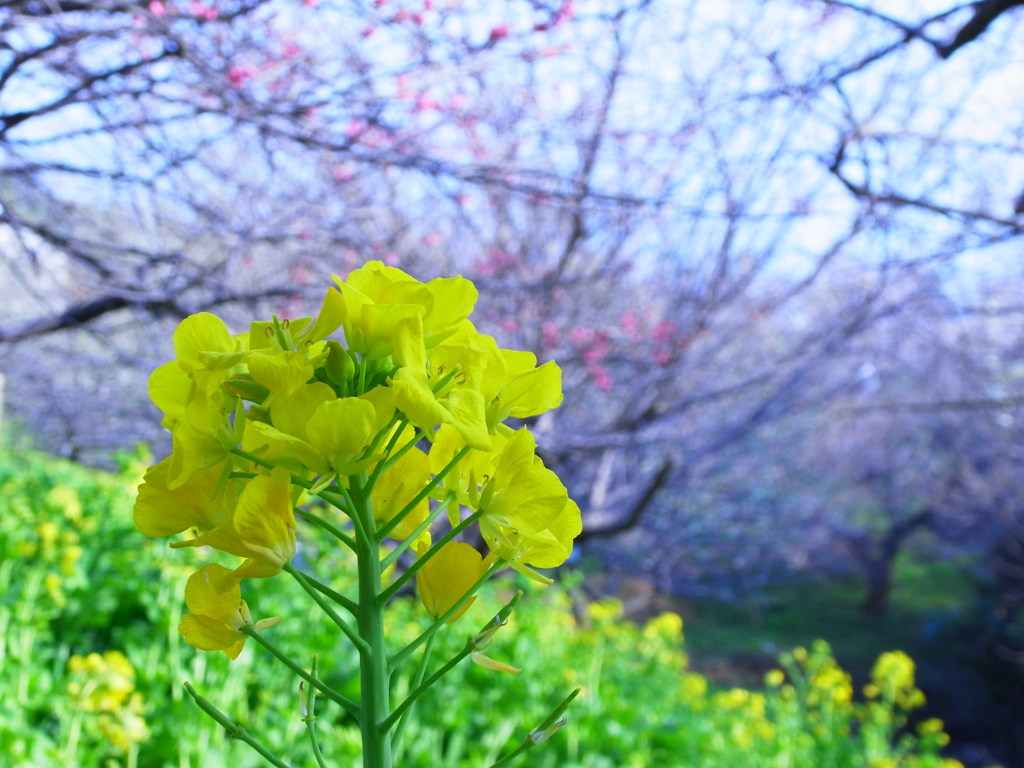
(878,559)
(879,573)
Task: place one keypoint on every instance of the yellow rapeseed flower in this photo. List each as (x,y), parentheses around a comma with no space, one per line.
(218,612)
(447,576)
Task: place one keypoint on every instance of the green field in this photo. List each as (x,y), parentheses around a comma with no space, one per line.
(93,665)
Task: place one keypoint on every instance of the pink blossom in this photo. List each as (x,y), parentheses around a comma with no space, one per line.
(662,358)
(630,324)
(291,51)
(375,137)
(601,379)
(157,8)
(367,31)
(664,331)
(549,334)
(424,103)
(564,13)
(240,74)
(311,3)
(300,273)
(204,12)
(344,172)
(391,258)
(355,129)
(509,325)
(498,33)
(598,349)
(402,82)
(581,336)
(433,240)
(483,268)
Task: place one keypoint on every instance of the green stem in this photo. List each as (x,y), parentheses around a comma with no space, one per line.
(343,625)
(234,729)
(417,680)
(336,532)
(374,675)
(256,459)
(348,604)
(395,427)
(542,732)
(344,702)
(363,526)
(309,716)
(422,687)
(400,657)
(471,645)
(421,561)
(424,492)
(407,542)
(388,462)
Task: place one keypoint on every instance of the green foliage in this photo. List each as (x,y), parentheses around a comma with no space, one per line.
(93,666)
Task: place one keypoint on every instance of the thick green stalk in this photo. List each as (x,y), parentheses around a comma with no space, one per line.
(374,676)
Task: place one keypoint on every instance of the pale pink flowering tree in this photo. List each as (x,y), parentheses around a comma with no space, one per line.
(701,214)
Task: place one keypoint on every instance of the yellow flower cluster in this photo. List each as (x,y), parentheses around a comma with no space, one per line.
(54,540)
(892,679)
(103,687)
(389,394)
(742,716)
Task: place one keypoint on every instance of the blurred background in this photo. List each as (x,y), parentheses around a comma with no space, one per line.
(776,247)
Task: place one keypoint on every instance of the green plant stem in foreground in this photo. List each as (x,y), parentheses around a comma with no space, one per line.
(234,730)
(347,704)
(374,675)
(542,732)
(309,715)
(472,644)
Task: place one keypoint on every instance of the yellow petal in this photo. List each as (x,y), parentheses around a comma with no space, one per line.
(192,450)
(161,511)
(282,448)
(328,319)
(281,372)
(447,576)
(396,487)
(208,634)
(291,413)
(488,663)
(533,392)
(466,413)
(416,400)
(198,334)
(265,521)
(341,430)
(453,301)
(214,592)
(169,388)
